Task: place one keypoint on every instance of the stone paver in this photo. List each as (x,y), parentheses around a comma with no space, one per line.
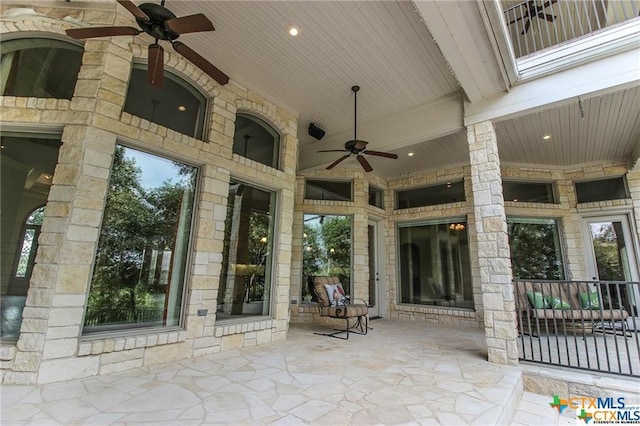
(401,373)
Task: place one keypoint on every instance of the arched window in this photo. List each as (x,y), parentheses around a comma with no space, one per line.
(177,105)
(39,67)
(256,140)
(29,245)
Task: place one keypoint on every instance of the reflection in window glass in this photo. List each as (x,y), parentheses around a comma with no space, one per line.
(602,190)
(535,248)
(327,190)
(39,67)
(326,251)
(177,105)
(29,243)
(376,197)
(450,192)
(256,140)
(139,272)
(245,280)
(434,264)
(528,192)
(27,163)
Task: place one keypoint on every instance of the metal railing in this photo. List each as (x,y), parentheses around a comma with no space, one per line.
(109,316)
(534,25)
(588,325)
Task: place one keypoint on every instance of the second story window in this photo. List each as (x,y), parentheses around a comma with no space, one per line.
(256,140)
(39,67)
(177,105)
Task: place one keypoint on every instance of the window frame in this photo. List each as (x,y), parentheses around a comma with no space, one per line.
(277,196)
(448,184)
(557,221)
(375,189)
(39,131)
(339,181)
(127,329)
(202,122)
(271,129)
(431,222)
(8,37)
(552,187)
(349,288)
(625,186)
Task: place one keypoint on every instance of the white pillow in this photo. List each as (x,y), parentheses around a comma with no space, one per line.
(336,294)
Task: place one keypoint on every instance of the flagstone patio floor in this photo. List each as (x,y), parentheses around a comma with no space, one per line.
(400,373)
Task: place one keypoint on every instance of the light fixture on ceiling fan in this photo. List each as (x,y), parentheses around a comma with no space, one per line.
(161,24)
(355,146)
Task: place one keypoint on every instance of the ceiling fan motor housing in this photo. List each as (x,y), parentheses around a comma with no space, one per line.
(155,26)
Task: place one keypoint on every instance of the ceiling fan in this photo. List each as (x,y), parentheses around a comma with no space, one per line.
(161,24)
(355,146)
(534,11)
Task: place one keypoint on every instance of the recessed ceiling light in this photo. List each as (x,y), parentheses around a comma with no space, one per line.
(410,154)
(293,31)
(182,108)
(546,137)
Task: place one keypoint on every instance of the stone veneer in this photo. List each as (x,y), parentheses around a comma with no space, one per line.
(51,346)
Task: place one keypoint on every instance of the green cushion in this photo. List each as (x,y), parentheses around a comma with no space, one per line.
(536,300)
(589,300)
(555,302)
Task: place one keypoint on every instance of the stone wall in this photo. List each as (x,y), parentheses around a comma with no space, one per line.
(51,346)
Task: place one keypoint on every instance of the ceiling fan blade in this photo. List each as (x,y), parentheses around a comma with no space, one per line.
(189,24)
(546,16)
(334,150)
(80,33)
(200,62)
(526,27)
(155,72)
(381,154)
(133,9)
(338,161)
(364,163)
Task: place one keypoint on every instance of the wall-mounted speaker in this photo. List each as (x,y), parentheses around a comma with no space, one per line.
(315,131)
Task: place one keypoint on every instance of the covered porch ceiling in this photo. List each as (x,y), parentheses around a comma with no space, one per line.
(418,63)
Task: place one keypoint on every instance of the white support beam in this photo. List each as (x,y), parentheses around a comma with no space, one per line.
(459,31)
(603,76)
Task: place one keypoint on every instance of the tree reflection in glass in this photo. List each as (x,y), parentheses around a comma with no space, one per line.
(326,251)
(138,278)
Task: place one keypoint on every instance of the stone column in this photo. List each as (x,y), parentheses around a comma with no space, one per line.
(633,180)
(492,245)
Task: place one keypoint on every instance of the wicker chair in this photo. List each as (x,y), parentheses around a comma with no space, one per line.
(355,315)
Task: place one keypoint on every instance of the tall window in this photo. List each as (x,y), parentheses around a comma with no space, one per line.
(434,264)
(535,248)
(245,282)
(256,140)
(139,272)
(39,67)
(27,163)
(326,251)
(177,105)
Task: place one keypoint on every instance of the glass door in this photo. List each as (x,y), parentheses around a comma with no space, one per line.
(612,256)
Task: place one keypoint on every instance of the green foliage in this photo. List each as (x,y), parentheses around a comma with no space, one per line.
(138,232)
(326,249)
(534,252)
